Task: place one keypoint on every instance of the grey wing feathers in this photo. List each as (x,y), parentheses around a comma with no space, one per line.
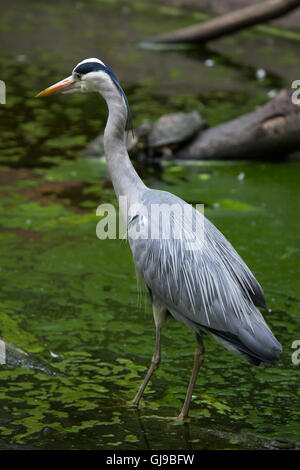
(209,287)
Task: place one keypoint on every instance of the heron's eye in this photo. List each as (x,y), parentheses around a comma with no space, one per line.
(77,75)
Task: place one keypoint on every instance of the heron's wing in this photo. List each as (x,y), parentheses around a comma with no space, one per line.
(202,281)
(194,272)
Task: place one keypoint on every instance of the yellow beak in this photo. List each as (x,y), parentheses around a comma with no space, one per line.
(63,85)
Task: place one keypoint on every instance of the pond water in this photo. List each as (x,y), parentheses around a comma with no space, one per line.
(81,335)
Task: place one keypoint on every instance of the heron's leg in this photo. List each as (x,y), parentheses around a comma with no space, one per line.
(198,360)
(154,365)
(159,313)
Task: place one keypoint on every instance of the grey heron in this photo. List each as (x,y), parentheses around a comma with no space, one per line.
(207,286)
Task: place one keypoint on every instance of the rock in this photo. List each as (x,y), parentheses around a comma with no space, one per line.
(144,129)
(95,148)
(174,129)
(169,131)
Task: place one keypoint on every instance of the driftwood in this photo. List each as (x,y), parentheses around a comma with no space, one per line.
(230,23)
(272,131)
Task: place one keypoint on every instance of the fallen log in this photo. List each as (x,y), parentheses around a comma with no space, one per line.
(230,22)
(272,131)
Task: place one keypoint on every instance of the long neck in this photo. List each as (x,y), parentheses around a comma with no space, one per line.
(125,180)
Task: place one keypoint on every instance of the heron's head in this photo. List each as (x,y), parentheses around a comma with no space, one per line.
(89,75)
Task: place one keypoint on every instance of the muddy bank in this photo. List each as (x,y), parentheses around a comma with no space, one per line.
(292,20)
